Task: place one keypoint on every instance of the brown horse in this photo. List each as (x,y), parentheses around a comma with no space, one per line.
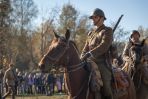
(63,52)
(139,55)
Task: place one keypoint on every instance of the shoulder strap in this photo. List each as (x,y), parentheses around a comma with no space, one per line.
(89,33)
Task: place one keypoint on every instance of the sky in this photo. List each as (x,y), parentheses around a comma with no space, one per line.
(135,11)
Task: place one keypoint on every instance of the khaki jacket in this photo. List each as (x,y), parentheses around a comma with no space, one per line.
(127,57)
(126,52)
(9,77)
(98,42)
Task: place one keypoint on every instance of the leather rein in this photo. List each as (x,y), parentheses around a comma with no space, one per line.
(70,69)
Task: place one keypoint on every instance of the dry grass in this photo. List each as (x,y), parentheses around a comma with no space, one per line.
(41,97)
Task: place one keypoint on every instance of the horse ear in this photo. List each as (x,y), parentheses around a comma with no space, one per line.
(67,34)
(55,34)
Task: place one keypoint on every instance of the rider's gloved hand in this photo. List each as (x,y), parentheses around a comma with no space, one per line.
(85,56)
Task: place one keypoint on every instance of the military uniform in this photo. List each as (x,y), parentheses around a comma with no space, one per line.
(98,44)
(127,56)
(126,51)
(9,79)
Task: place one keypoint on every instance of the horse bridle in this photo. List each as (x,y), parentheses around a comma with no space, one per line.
(59,58)
(72,68)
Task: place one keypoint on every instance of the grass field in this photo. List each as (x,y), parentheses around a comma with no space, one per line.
(41,97)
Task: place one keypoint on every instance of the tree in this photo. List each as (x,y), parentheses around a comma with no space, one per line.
(68,19)
(120,37)
(82,30)
(146,33)
(23,12)
(4,29)
(46,35)
(141,31)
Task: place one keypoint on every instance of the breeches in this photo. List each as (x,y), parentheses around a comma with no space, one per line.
(106,78)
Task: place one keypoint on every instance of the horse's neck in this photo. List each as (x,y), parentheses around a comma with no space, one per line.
(74,58)
(75,78)
(75,81)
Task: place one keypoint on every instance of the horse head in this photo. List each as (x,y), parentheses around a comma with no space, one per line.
(58,53)
(64,53)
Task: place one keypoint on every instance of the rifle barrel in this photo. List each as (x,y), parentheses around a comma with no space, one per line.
(117,23)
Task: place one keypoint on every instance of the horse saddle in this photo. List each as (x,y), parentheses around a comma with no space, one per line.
(95,80)
(120,81)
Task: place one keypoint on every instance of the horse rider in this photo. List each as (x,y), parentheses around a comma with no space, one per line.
(9,79)
(127,58)
(96,48)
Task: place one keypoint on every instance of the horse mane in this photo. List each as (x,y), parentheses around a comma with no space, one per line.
(74,45)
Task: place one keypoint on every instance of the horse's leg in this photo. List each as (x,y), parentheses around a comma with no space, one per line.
(131,90)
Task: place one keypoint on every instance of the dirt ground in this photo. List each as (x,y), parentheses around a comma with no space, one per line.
(41,97)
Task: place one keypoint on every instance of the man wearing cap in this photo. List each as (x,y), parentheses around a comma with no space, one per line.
(96,48)
(134,39)
(9,79)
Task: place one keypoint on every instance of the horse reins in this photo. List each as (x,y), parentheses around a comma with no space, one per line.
(74,68)
(71,69)
(56,60)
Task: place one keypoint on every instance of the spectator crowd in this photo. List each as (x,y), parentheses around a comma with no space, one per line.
(37,83)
